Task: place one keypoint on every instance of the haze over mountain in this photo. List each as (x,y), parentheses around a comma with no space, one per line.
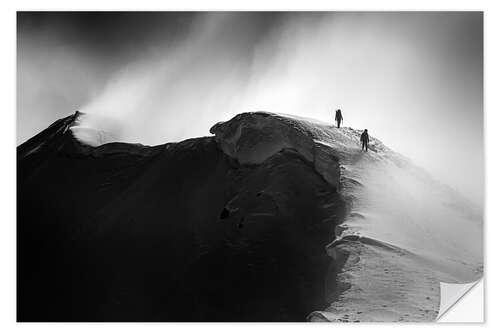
(414,79)
(272,218)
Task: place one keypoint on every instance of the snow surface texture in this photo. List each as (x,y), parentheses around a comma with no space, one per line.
(403,234)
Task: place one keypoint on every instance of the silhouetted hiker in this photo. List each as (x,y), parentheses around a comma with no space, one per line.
(338,117)
(364,140)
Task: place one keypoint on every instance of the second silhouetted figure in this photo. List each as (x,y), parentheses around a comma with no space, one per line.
(338,117)
(364,140)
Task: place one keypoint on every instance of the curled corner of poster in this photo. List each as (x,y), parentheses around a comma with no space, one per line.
(461,302)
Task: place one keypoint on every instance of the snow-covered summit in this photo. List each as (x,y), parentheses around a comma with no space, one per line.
(253,137)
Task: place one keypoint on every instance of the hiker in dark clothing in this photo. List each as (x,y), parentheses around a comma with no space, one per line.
(338,117)
(364,140)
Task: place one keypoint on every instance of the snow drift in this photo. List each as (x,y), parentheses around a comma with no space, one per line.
(274,218)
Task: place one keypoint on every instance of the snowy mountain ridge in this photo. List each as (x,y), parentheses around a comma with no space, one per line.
(390,232)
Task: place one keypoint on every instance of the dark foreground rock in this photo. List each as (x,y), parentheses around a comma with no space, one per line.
(177,232)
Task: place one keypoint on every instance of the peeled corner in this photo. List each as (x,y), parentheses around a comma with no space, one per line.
(451,294)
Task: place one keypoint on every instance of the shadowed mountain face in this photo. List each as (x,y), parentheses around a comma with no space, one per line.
(177,232)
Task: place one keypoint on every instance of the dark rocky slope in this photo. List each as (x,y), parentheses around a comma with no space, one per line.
(177,232)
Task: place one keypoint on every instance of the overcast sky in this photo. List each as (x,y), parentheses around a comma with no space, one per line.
(415,80)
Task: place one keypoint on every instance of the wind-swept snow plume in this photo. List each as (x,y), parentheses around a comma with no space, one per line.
(173,91)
